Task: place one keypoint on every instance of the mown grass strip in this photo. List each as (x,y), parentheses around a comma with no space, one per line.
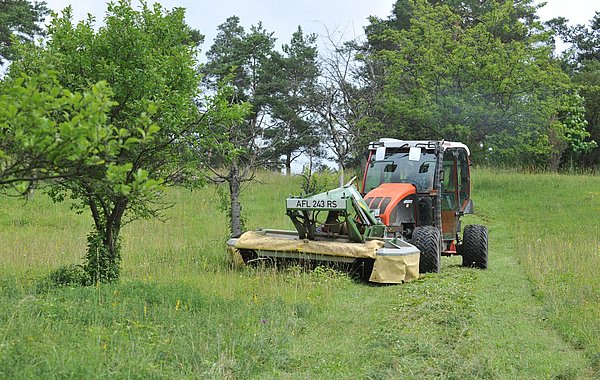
(549,225)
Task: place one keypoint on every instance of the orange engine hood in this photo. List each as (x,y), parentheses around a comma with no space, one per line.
(394,191)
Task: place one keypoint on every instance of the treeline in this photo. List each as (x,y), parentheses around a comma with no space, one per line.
(485,73)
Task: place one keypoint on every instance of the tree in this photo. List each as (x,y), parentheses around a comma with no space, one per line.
(292,92)
(230,151)
(347,98)
(571,134)
(19,19)
(588,80)
(517,26)
(491,82)
(583,39)
(51,133)
(582,61)
(239,58)
(148,58)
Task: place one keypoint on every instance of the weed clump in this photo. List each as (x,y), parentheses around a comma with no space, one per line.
(67,275)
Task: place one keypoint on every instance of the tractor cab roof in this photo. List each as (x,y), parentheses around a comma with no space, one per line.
(427,144)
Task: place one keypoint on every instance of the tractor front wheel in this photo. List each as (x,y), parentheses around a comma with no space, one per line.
(429,241)
(475,246)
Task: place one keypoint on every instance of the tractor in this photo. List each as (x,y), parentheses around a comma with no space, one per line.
(405,218)
(420,190)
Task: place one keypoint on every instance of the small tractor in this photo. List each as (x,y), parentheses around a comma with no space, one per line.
(414,194)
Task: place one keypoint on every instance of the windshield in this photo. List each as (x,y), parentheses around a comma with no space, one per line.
(397,168)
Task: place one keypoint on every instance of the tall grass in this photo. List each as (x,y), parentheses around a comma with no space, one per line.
(554,222)
(180,311)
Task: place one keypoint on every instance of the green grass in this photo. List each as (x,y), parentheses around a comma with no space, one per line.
(553,222)
(181,312)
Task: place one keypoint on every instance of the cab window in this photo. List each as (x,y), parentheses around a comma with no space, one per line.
(464,187)
(449,200)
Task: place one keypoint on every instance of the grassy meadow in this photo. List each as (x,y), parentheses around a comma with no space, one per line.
(180,311)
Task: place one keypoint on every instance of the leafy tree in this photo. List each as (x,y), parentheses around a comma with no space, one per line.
(582,61)
(570,126)
(51,133)
(292,92)
(240,58)
(471,81)
(588,80)
(19,19)
(517,26)
(147,57)
(225,154)
(584,40)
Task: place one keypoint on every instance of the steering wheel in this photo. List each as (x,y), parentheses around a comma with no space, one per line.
(420,182)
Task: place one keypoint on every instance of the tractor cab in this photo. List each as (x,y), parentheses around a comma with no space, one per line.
(412,184)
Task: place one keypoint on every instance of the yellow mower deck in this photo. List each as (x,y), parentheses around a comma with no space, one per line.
(395,261)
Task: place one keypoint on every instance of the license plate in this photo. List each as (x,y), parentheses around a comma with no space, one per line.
(315,204)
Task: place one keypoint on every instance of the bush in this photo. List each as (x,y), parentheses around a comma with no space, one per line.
(68,275)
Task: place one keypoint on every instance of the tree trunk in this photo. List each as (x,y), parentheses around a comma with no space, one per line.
(103,257)
(234,197)
(341,170)
(288,164)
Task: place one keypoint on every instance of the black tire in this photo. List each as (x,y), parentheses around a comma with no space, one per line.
(248,255)
(429,241)
(475,246)
(362,269)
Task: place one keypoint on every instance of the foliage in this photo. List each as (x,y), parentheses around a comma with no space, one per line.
(317,182)
(49,132)
(487,78)
(224,197)
(236,68)
(572,118)
(230,152)
(222,145)
(582,61)
(292,92)
(19,19)
(147,57)
(588,80)
(583,39)
(67,275)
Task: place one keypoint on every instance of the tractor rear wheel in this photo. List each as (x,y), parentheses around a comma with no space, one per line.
(429,241)
(475,246)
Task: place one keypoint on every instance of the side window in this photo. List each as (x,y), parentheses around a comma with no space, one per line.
(463,176)
(449,183)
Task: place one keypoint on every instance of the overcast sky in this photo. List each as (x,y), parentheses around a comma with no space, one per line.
(315,16)
(279,16)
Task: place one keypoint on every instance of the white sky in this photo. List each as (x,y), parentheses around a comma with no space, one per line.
(283,17)
(576,11)
(279,16)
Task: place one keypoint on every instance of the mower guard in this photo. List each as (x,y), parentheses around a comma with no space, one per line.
(395,261)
